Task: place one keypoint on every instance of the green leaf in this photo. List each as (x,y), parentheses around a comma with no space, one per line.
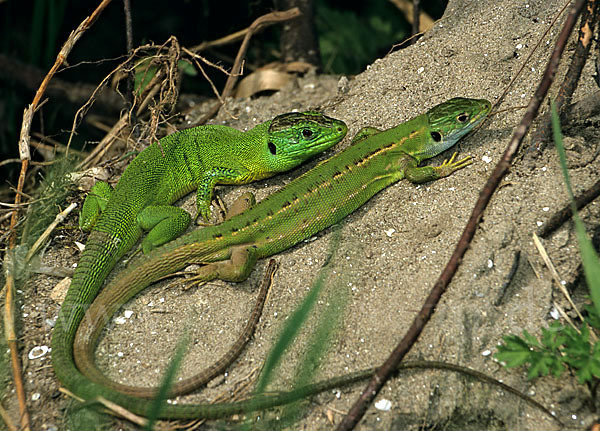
(187,68)
(592,318)
(530,339)
(581,356)
(514,352)
(144,72)
(553,337)
(370,32)
(544,363)
(544,358)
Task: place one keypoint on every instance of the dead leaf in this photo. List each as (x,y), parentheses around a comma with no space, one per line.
(60,290)
(263,80)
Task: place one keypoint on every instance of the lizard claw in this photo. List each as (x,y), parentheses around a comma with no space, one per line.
(204,212)
(195,281)
(451,165)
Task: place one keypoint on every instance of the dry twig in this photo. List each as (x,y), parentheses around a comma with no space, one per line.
(589,18)
(236,70)
(384,372)
(24,140)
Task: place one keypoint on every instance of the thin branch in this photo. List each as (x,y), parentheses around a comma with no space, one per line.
(149,91)
(7,420)
(44,236)
(24,140)
(589,18)
(526,61)
(130,96)
(236,70)
(195,57)
(30,78)
(560,217)
(268,19)
(416,18)
(386,370)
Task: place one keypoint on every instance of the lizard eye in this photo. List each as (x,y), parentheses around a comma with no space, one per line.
(436,136)
(462,118)
(272,148)
(307,133)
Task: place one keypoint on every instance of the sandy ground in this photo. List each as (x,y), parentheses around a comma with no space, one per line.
(390,253)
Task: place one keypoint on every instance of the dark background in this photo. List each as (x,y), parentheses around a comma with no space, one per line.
(351,35)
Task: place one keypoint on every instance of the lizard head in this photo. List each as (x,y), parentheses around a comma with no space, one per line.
(450,121)
(296,136)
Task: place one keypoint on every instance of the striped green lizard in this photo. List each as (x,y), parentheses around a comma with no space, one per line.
(316,200)
(195,158)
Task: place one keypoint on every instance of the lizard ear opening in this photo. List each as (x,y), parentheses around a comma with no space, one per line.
(272,148)
(436,136)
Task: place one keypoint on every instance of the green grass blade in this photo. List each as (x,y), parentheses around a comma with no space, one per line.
(296,322)
(288,334)
(318,345)
(589,257)
(159,401)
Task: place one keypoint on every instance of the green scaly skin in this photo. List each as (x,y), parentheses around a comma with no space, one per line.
(195,158)
(318,199)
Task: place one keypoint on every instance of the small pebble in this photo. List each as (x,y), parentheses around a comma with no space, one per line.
(37,352)
(383,405)
(120,320)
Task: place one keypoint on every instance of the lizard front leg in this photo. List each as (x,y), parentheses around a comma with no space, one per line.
(430,173)
(242,258)
(206,185)
(241,204)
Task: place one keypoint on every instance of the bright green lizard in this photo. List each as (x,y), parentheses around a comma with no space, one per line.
(195,158)
(318,199)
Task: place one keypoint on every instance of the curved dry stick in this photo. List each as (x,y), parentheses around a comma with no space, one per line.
(589,18)
(84,351)
(24,140)
(388,367)
(526,61)
(560,217)
(268,19)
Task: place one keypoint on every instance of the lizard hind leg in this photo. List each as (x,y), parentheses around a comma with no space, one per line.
(237,268)
(93,205)
(164,223)
(241,204)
